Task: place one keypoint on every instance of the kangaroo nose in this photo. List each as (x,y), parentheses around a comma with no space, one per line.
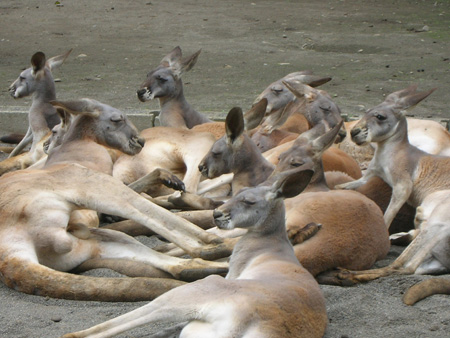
(355,131)
(342,135)
(141,141)
(141,92)
(201,167)
(217,213)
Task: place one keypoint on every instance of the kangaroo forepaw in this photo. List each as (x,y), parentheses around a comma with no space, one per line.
(170,180)
(299,235)
(339,277)
(190,275)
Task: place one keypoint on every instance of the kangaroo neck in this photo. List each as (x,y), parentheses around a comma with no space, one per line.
(251,164)
(397,141)
(269,239)
(318,181)
(174,98)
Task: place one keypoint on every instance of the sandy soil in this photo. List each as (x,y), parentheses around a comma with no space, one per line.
(370,48)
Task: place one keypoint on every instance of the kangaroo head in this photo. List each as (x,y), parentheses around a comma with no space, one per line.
(277,94)
(383,121)
(38,78)
(261,208)
(165,80)
(102,123)
(227,151)
(58,131)
(307,152)
(320,110)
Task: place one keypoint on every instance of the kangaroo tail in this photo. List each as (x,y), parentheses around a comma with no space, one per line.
(425,289)
(36,279)
(12,138)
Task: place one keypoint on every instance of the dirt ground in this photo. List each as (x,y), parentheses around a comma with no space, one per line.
(370,48)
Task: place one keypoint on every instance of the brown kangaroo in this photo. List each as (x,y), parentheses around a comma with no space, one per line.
(266,292)
(416,177)
(38,244)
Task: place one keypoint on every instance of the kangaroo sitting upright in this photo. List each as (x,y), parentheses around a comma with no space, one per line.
(38,81)
(416,177)
(164,82)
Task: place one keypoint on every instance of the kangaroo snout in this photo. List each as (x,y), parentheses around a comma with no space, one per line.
(203,169)
(140,93)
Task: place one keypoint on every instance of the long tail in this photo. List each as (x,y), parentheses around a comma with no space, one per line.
(36,279)
(12,138)
(425,289)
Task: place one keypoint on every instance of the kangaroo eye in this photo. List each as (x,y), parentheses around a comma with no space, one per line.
(277,89)
(117,118)
(160,78)
(248,202)
(380,117)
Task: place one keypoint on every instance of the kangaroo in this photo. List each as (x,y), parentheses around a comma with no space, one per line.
(164,82)
(416,177)
(350,221)
(266,292)
(38,244)
(322,114)
(38,82)
(299,107)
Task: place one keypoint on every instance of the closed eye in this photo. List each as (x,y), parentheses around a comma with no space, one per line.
(249,202)
(117,119)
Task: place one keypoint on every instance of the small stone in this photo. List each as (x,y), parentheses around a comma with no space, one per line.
(56,319)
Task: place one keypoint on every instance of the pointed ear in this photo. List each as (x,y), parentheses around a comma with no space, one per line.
(79,107)
(184,65)
(278,118)
(37,62)
(291,183)
(234,124)
(64,116)
(58,60)
(407,98)
(308,78)
(300,90)
(188,63)
(255,115)
(173,57)
(323,142)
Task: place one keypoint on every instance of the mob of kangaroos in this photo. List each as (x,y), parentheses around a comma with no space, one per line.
(269,190)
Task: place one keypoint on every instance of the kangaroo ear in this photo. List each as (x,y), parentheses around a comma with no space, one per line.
(234,124)
(255,115)
(323,142)
(291,183)
(300,89)
(79,107)
(64,116)
(187,63)
(58,60)
(307,78)
(173,57)
(407,98)
(37,62)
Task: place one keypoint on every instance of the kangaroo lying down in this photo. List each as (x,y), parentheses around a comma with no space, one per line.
(416,177)
(38,244)
(266,292)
